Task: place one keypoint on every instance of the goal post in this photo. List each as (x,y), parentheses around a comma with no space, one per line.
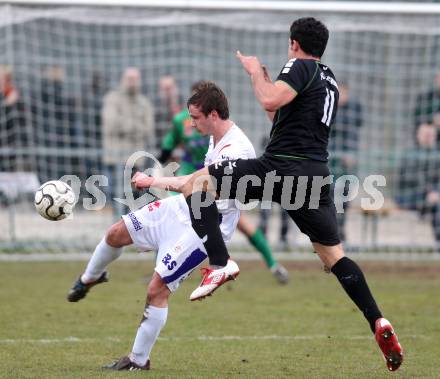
(372,7)
(62,58)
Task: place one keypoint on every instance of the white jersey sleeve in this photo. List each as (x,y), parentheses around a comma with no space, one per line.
(234,145)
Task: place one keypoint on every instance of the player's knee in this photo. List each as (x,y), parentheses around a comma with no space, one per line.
(153,293)
(329,255)
(117,235)
(157,292)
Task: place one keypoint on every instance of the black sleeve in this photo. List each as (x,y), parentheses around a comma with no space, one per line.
(296,74)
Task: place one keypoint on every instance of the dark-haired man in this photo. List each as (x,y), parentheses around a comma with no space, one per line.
(302,103)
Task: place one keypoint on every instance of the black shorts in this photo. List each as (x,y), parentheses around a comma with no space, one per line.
(302,187)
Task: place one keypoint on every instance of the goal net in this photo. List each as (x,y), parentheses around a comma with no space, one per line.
(58,64)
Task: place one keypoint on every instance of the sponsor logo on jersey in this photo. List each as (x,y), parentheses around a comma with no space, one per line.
(329,79)
(230,167)
(225,158)
(152,206)
(136,223)
(229,164)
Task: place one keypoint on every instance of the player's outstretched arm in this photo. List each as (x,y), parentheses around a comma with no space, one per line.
(267,78)
(186,184)
(173,183)
(271,96)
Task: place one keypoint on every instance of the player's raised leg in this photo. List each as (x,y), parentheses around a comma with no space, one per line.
(153,320)
(353,281)
(199,193)
(108,250)
(205,217)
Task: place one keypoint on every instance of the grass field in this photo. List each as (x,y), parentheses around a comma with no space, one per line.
(252,328)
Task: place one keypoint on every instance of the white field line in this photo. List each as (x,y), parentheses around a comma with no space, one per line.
(202,338)
(239,256)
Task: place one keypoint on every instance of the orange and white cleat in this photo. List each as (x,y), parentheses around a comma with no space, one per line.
(213,279)
(388,343)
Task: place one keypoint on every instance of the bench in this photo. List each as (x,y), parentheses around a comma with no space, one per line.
(370,219)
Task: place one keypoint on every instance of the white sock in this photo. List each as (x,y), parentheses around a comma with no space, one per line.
(147,334)
(103,255)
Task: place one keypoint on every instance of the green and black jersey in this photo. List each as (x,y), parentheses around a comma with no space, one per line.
(301,128)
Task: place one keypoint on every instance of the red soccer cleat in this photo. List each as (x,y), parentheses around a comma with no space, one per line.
(388,343)
(213,279)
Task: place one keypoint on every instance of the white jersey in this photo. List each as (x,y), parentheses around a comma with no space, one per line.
(233,145)
(165,225)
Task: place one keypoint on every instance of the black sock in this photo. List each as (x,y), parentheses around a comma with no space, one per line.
(353,281)
(207,227)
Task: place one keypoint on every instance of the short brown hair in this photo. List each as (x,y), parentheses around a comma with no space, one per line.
(196,85)
(209,97)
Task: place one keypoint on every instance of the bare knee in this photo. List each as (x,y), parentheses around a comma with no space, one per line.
(158,292)
(118,236)
(329,255)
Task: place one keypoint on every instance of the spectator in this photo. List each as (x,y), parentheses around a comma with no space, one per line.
(427,109)
(168,104)
(58,117)
(12,124)
(344,145)
(9,92)
(92,101)
(128,126)
(55,126)
(419,180)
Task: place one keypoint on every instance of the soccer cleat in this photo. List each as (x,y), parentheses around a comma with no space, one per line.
(280,273)
(80,289)
(388,343)
(213,279)
(126,364)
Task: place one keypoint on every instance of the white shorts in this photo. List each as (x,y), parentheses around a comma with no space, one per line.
(165,227)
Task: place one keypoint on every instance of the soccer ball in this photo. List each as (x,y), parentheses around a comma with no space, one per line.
(54,200)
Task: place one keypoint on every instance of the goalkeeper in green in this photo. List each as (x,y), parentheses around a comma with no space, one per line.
(194,144)
(195,147)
